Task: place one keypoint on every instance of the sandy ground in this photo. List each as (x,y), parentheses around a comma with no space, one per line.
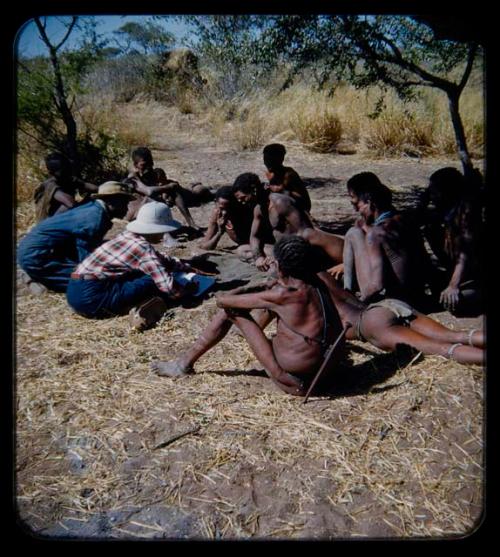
(395,451)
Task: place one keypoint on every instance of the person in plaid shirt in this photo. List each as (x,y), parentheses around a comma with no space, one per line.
(127,270)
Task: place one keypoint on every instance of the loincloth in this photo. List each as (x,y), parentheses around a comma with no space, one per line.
(403,312)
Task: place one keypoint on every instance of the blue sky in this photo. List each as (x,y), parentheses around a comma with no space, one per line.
(29,42)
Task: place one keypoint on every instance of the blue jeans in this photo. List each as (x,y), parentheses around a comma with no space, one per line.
(98,299)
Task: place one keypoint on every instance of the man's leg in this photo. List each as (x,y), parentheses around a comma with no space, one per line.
(431,328)
(379,329)
(356,262)
(214,333)
(176,194)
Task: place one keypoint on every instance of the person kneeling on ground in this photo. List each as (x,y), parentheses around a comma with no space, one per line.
(53,248)
(127,270)
(307,322)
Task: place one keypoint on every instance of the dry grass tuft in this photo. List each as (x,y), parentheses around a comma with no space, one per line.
(319,130)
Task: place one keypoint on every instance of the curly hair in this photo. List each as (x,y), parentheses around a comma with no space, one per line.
(248,182)
(293,255)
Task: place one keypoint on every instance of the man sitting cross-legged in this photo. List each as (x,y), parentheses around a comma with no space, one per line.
(307,322)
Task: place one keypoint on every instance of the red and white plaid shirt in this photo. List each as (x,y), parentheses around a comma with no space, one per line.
(128,252)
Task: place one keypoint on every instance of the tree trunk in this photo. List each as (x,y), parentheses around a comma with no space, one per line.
(67,116)
(458,128)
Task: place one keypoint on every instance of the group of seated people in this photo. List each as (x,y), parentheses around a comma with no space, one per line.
(374,284)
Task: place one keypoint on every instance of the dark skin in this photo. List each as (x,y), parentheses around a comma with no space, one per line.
(288,358)
(459,264)
(381,328)
(286,218)
(223,219)
(65,194)
(153,182)
(259,250)
(379,256)
(284,179)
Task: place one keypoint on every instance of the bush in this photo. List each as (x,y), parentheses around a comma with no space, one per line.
(397,133)
(319,129)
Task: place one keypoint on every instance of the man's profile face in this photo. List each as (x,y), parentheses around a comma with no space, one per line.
(243,198)
(366,210)
(354,200)
(271,162)
(118,205)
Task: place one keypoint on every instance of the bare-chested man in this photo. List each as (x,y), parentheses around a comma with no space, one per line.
(250,194)
(307,322)
(383,253)
(284,179)
(286,218)
(228,217)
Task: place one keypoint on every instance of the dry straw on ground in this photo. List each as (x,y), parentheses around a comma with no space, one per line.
(397,457)
(397,451)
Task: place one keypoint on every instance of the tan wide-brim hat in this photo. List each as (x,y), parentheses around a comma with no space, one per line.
(112,188)
(153,218)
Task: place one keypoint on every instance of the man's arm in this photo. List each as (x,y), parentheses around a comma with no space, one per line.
(64,199)
(374,241)
(215,231)
(265,299)
(255,241)
(449,296)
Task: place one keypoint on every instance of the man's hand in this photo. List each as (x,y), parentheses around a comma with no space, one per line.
(263,263)
(449,297)
(221,221)
(336,271)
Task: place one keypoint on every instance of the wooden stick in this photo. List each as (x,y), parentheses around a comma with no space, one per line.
(326,359)
(175,437)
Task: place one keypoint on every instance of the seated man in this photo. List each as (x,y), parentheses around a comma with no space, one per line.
(286,218)
(54,247)
(153,183)
(284,179)
(307,322)
(382,251)
(249,193)
(453,231)
(228,218)
(57,194)
(127,270)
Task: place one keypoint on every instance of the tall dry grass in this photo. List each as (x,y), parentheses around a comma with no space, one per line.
(322,122)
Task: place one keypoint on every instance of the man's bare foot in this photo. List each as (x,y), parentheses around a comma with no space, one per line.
(172,368)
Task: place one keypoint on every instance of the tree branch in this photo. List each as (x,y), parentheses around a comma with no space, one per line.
(470,62)
(74,19)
